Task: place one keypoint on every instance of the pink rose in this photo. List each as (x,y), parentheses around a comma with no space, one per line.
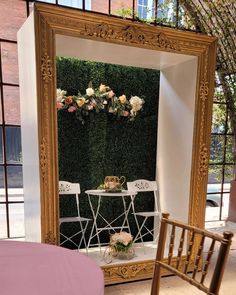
(111,94)
(125,113)
(71,109)
(59,105)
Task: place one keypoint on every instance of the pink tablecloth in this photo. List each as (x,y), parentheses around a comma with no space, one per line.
(39,269)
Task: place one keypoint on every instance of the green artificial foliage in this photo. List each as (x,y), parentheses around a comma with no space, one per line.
(105,145)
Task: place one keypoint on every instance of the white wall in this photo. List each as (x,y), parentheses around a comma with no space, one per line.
(175,137)
(29,129)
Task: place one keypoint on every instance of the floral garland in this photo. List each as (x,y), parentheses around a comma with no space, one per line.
(101,99)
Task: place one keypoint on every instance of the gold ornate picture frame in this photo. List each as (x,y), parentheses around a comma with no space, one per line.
(52,20)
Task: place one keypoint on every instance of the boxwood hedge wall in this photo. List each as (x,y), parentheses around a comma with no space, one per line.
(104,145)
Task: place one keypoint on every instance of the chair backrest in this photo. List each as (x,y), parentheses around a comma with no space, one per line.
(143,185)
(194,251)
(68,188)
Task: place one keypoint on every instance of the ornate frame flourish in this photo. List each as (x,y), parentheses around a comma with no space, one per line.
(52,20)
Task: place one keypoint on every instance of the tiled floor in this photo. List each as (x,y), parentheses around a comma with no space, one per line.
(175,286)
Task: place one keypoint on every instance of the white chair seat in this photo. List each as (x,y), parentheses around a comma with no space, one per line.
(73,219)
(147,214)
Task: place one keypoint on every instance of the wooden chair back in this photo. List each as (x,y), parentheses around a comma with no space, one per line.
(189,254)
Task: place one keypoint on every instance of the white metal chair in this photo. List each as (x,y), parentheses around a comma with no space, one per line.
(67,188)
(143,185)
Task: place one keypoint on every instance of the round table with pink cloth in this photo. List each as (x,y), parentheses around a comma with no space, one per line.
(39,269)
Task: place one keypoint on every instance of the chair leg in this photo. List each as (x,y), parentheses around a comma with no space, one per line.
(139,234)
(82,232)
(148,231)
(156,280)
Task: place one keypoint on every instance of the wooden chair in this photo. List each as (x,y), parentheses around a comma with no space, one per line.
(194,251)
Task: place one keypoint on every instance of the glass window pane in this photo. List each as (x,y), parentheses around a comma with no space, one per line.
(14,177)
(219,95)
(1,147)
(16,216)
(48,1)
(0,105)
(212,210)
(16,15)
(102,6)
(225,208)
(229,157)
(226,187)
(15,194)
(3,221)
(217,149)
(13,145)
(78,3)
(120,9)
(9,63)
(215,174)
(218,118)
(2,185)
(229,126)
(229,173)
(213,187)
(11,99)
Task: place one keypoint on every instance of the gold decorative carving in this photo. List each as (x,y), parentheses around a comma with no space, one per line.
(204,90)
(130,34)
(46,68)
(50,238)
(127,271)
(43,158)
(203,160)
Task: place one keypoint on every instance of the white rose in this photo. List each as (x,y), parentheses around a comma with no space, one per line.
(136,103)
(60,94)
(89,91)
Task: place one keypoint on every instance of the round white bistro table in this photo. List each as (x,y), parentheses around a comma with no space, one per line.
(95,208)
(39,269)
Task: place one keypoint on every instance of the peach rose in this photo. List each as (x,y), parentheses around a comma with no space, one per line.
(103,88)
(80,102)
(122,99)
(68,99)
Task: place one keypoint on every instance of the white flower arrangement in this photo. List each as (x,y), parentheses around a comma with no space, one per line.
(122,241)
(101,99)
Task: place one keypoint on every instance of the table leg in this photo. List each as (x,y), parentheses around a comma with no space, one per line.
(94,226)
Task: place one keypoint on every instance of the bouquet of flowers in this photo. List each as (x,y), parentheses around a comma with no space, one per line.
(101,99)
(122,241)
(120,246)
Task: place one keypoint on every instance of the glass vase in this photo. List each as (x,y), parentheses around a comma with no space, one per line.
(126,255)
